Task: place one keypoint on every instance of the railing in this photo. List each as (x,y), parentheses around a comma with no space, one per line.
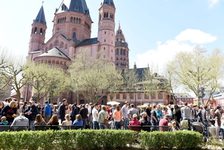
(149,128)
(59,127)
(43,128)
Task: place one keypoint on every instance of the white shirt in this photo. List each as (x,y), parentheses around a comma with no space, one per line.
(124,111)
(95,114)
(66,123)
(20,121)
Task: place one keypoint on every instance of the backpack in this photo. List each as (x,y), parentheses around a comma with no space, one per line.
(48,110)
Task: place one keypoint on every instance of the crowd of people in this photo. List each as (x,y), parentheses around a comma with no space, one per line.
(96,116)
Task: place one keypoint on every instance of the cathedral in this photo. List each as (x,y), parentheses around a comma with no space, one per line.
(72,34)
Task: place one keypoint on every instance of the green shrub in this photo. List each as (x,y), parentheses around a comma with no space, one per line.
(188,139)
(106,139)
(97,139)
(66,139)
(170,140)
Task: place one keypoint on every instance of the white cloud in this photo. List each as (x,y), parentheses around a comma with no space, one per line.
(195,36)
(212,3)
(164,52)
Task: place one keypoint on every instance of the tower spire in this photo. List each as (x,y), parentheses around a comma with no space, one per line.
(40,18)
(119,26)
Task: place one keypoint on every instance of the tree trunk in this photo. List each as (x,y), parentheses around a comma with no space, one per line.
(18,96)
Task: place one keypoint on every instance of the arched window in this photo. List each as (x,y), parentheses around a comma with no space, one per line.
(35,30)
(117,51)
(111,16)
(105,15)
(41,31)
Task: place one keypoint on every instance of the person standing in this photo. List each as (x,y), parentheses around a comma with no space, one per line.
(117,116)
(95,116)
(124,111)
(103,117)
(154,119)
(84,114)
(47,111)
(31,114)
(62,110)
(186,114)
(75,111)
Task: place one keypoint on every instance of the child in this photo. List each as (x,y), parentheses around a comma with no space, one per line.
(4,121)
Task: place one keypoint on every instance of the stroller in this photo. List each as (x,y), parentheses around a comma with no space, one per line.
(198,126)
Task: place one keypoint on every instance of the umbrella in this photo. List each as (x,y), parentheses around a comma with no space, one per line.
(113,103)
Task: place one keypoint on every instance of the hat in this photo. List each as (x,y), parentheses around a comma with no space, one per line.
(135,116)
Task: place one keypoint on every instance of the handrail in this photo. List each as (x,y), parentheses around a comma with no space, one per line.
(37,127)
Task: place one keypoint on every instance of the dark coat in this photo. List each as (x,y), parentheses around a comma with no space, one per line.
(61,112)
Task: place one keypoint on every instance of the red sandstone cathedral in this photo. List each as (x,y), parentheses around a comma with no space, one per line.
(72,34)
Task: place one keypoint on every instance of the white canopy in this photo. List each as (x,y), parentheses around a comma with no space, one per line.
(113,103)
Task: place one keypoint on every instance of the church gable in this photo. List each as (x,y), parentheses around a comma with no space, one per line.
(59,41)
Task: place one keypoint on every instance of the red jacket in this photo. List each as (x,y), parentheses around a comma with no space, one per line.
(135,122)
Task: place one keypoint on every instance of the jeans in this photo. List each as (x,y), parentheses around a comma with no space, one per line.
(117,125)
(126,123)
(95,125)
(102,126)
(31,125)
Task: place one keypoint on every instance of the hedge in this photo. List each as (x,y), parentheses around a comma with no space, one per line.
(97,139)
(171,140)
(66,139)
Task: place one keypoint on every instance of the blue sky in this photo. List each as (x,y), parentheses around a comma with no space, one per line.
(155,29)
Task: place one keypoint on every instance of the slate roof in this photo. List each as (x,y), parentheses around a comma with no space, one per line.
(79,6)
(139,73)
(40,16)
(88,42)
(109,2)
(55,52)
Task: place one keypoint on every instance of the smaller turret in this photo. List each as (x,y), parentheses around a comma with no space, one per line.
(122,50)
(38,31)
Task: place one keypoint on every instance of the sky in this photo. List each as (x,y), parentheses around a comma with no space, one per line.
(156,30)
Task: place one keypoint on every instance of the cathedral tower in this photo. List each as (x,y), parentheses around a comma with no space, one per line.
(122,51)
(106,34)
(38,31)
(73,20)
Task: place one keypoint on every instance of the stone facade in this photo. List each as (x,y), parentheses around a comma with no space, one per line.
(72,34)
